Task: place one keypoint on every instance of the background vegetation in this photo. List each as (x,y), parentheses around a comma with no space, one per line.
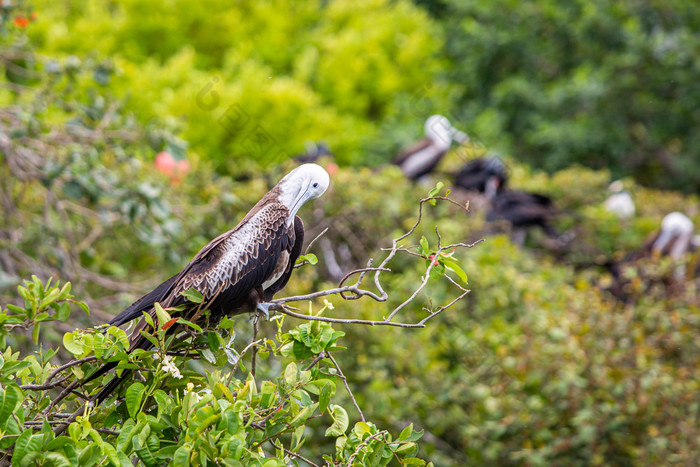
(540,364)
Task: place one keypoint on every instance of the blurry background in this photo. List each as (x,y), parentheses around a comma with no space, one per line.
(132,132)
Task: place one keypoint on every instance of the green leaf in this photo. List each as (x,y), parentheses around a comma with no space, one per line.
(125,435)
(290,374)
(209,356)
(69,343)
(406,432)
(57,443)
(163,316)
(437,189)
(26,444)
(16,309)
(65,291)
(57,459)
(303,414)
(340,421)
(452,265)
(424,245)
(35,334)
(193,295)
(9,398)
(412,461)
(120,336)
(190,324)
(63,311)
(134,395)
(309,257)
(361,428)
(405,448)
(213,341)
(84,307)
(50,298)
(181,458)
(144,453)
(324,397)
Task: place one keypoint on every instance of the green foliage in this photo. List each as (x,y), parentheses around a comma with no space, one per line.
(608,85)
(183,417)
(238,100)
(43,303)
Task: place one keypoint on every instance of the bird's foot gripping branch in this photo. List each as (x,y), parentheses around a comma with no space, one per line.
(194,398)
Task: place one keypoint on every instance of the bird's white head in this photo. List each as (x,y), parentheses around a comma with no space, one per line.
(441,132)
(678,223)
(675,224)
(308,181)
(616,186)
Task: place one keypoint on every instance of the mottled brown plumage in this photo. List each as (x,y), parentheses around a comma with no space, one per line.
(238,270)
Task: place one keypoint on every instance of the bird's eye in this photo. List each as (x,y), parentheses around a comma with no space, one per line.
(315,185)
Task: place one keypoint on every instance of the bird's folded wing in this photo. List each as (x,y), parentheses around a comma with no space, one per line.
(414,148)
(232,264)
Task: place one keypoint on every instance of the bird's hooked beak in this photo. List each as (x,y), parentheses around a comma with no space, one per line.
(301,198)
(492,186)
(459,136)
(661,242)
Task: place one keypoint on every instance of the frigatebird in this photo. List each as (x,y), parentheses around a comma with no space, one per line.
(476,173)
(674,239)
(620,201)
(521,209)
(239,271)
(421,158)
(313,152)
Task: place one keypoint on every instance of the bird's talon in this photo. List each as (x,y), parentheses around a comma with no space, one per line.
(264,308)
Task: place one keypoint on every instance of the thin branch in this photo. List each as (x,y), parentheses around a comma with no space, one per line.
(240,357)
(254,353)
(315,238)
(356,291)
(61,396)
(46,385)
(38,423)
(318,358)
(347,387)
(293,454)
(286,311)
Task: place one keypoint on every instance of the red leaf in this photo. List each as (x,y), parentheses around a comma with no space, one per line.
(169,323)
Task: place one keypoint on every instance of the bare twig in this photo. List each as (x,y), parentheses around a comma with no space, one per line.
(46,385)
(347,387)
(61,396)
(240,357)
(315,238)
(318,358)
(38,423)
(293,454)
(254,352)
(357,291)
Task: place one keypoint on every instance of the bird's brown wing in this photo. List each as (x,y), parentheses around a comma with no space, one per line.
(414,148)
(293,255)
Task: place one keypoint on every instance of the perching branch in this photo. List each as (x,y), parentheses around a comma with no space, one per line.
(357,290)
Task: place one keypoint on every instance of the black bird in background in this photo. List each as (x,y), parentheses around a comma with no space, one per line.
(521,209)
(314,151)
(236,272)
(476,173)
